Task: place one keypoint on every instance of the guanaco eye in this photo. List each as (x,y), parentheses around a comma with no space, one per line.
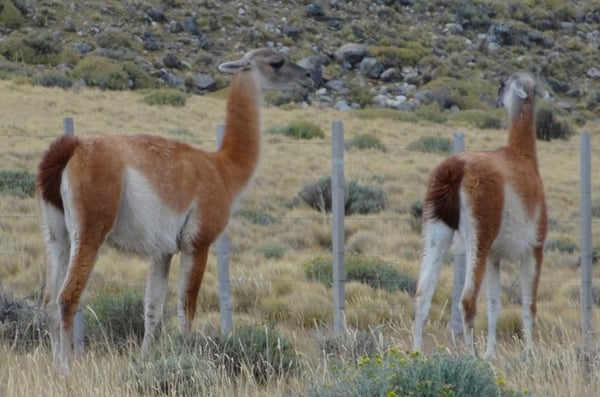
(277,63)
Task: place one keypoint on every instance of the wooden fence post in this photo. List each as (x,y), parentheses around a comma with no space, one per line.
(222,251)
(78,323)
(586,244)
(456,324)
(338,192)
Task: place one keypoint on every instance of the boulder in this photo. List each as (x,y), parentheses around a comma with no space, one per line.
(352,53)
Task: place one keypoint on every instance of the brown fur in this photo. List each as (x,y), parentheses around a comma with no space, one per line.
(442,200)
(50,169)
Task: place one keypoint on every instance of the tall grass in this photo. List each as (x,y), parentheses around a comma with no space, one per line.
(267,256)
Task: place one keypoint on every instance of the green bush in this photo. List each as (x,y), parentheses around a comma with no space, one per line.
(561,244)
(431,144)
(102,72)
(17,183)
(549,127)
(257,217)
(112,38)
(359,199)
(165,96)
(365,141)
(410,54)
(299,130)
(54,78)
(10,16)
(33,49)
(369,270)
(360,95)
(117,318)
(432,113)
(272,251)
(22,323)
(363,199)
(263,351)
(186,374)
(141,78)
(396,374)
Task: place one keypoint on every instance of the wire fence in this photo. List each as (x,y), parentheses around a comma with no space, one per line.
(387,221)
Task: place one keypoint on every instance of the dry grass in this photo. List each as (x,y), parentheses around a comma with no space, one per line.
(274,289)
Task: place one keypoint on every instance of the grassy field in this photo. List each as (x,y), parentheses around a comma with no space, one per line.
(273,289)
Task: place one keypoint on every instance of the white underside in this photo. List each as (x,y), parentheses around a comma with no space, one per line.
(145,225)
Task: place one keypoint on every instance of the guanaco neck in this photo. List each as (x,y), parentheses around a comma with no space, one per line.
(522,135)
(240,149)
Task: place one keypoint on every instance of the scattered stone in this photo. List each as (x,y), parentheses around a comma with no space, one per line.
(389,75)
(157,16)
(352,53)
(593,73)
(203,83)
(171,61)
(315,11)
(191,26)
(371,67)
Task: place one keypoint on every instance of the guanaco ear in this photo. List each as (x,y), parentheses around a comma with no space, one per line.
(519,91)
(234,66)
(541,92)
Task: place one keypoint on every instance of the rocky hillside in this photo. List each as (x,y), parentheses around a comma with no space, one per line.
(402,54)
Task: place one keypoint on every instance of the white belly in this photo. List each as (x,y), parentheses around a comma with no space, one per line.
(145,225)
(518,233)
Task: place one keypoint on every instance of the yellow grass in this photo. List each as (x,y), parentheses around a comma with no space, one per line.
(275,290)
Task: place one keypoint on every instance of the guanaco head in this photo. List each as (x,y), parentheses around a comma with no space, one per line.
(518,89)
(271,70)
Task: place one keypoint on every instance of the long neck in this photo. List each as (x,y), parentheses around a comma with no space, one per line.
(240,149)
(522,136)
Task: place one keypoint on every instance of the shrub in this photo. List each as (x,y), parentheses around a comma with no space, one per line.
(10,16)
(359,199)
(561,244)
(263,351)
(22,323)
(102,72)
(360,95)
(33,49)
(54,78)
(186,374)
(117,318)
(365,141)
(257,217)
(165,96)
(299,130)
(369,270)
(432,144)
(401,374)
(432,113)
(112,38)
(548,127)
(272,251)
(410,54)
(17,183)
(140,78)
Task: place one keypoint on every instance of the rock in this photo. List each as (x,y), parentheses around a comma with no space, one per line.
(170,79)
(291,31)
(593,73)
(157,16)
(573,92)
(371,67)
(82,47)
(315,11)
(390,74)
(342,105)
(352,53)
(314,64)
(171,61)
(190,26)
(151,45)
(425,97)
(452,28)
(203,83)
(175,27)
(335,85)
